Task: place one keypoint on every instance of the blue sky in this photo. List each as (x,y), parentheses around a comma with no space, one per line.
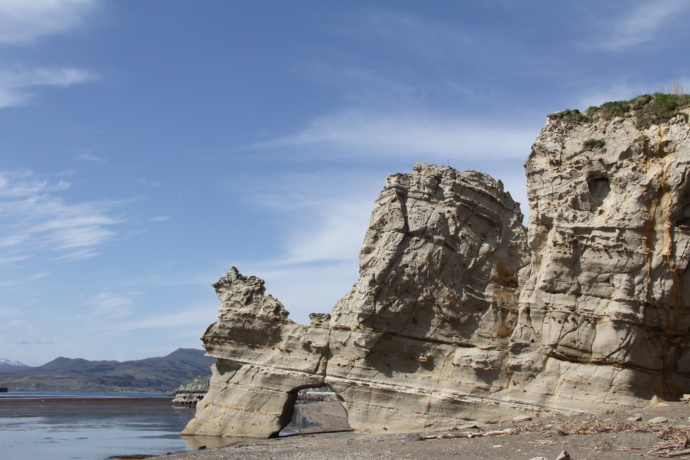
(148,146)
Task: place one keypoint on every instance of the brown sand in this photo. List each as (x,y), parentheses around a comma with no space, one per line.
(583,437)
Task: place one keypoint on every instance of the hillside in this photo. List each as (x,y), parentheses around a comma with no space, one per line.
(160,374)
(6,363)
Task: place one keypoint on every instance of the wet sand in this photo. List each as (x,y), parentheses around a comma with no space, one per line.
(81,407)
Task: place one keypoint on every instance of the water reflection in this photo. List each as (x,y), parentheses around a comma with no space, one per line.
(90,428)
(299,423)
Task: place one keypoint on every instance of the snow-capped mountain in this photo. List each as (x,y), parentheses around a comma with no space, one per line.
(8,363)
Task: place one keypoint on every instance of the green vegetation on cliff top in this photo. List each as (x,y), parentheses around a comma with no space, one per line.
(648,109)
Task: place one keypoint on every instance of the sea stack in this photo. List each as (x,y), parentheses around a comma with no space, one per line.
(461,313)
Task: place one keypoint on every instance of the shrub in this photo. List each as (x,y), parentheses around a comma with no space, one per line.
(570,115)
(648,109)
(591,144)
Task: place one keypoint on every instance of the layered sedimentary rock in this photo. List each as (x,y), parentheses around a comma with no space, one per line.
(188,394)
(461,313)
(608,298)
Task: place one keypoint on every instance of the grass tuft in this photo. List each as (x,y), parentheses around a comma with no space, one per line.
(648,110)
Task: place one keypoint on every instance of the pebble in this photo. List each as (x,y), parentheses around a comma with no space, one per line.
(413,437)
(564,455)
(635,418)
(657,420)
(522,418)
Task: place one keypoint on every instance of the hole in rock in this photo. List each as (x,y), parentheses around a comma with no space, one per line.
(683,221)
(314,410)
(599,189)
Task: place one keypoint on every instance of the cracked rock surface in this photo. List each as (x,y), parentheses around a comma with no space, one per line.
(461,313)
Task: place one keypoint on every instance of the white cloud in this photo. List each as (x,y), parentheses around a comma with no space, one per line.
(8,312)
(34,219)
(159,218)
(109,305)
(147,182)
(431,138)
(200,317)
(87,156)
(23,21)
(306,289)
(641,24)
(335,234)
(14,83)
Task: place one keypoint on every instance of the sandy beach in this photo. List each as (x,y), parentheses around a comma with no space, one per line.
(582,437)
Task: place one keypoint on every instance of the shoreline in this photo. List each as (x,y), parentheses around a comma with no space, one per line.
(606,437)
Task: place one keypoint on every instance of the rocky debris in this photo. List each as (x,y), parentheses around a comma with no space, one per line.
(313,397)
(658,420)
(605,437)
(562,456)
(461,313)
(188,394)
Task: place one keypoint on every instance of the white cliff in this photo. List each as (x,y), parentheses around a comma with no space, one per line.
(461,313)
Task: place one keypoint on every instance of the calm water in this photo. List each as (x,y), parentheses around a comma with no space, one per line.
(55,426)
(92,426)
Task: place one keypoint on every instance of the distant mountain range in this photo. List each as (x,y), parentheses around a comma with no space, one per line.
(6,363)
(162,374)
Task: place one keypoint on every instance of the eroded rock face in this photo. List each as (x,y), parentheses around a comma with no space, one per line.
(264,359)
(460,313)
(422,338)
(608,298)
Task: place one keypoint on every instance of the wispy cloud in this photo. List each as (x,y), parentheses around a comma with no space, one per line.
(15,84)
(642,23)
(335,233)
(148,182)
(160,218)
(362,86)
(86,155)
(431,138)
(108,305)
(8,312)
(306,289)
(35,219)
(35,342)
(198,316)
(411,33)
(23,21)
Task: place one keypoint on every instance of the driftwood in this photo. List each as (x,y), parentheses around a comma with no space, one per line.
(471,434)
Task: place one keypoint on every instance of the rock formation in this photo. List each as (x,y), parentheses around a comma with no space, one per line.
(188,394)
(461,313)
